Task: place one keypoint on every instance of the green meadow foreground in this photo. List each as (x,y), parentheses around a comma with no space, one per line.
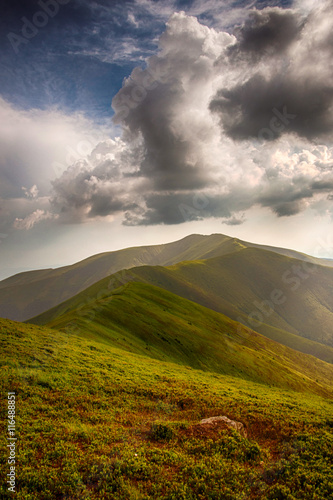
(109,402)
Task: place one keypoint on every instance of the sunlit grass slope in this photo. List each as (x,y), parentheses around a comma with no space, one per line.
(151,321)
(240,284)
(98,422)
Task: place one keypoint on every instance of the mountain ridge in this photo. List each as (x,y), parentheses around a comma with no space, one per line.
(29,294)
(242,286)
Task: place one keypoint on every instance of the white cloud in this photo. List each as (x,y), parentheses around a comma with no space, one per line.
(32,192)
(30,220)
(174,162)
(173,149)
(132,20)
(35,141)
(37,146)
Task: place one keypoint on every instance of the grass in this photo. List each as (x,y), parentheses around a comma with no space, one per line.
(147,320)
(98,422)
(235,285)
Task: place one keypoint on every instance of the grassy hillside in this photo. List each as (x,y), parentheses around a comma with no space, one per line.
(147,320)
(256,286)
(28,294)
(97,422)
(299,313)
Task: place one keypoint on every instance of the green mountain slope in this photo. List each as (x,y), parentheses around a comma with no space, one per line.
(280,297)
(29,294)
(256,287)
(97,422)
(150,321)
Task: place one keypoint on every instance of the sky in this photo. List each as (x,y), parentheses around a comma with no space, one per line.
(125,123)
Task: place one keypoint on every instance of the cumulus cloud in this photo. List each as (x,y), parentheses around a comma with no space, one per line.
(270,107)
(215,124)
(31,193)
(101,185)
(30,220)
(37,146)
(266,33)
(292,76)
(234,220)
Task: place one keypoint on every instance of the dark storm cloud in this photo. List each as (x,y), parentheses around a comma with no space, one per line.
(265,33)
(105,205)
(165,158)
(288,208)
(323,185)
(267,108)
(286,199)
(176,208)
(296,77)
(283,198)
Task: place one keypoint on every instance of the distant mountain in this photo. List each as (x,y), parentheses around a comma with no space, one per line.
(28,294)
(155,323)
(285,299)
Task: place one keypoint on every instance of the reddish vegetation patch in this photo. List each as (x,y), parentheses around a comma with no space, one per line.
(212,430)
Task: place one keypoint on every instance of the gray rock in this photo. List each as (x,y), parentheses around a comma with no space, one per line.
(238,426)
